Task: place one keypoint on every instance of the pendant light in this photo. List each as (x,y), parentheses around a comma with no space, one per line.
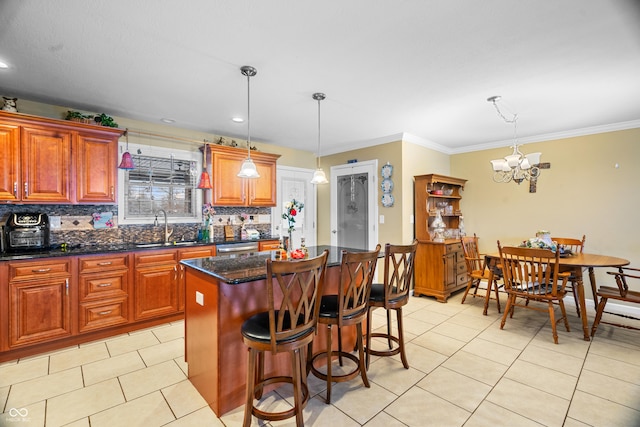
(127,161)
(248,168)
(205,181)
(318,176)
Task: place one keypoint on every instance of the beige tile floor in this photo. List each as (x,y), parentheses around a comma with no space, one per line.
(464,371)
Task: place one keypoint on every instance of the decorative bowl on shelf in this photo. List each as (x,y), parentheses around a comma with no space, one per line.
(448,191)
(437,192)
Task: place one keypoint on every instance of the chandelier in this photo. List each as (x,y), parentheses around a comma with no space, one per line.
(515,167)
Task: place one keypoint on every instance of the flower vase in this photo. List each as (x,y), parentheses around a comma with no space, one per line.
(290,243)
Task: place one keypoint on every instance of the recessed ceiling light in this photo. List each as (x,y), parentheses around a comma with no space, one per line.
(238,120)
(167,120)
(4,64)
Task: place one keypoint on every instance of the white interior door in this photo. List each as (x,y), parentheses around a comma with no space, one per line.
(295,183)
(354,206)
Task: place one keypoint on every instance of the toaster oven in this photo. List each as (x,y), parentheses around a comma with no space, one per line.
(26,231)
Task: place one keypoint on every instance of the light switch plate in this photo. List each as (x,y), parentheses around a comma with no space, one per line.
(199,298)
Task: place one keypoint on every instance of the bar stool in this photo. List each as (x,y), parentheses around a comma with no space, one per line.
(286,327)
(348,307)
(393,294)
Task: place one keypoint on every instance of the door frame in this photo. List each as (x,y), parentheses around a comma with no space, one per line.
(371,168)
(310,224)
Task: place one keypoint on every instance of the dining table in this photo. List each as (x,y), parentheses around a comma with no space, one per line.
(576,263)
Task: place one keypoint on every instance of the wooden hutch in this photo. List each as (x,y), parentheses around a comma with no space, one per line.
(440,267)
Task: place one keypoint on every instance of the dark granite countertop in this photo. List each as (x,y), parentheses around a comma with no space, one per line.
(106,248)
(241,268)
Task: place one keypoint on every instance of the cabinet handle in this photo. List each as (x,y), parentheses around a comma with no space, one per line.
(66,287)
(112,192)
(104,313)
(105,263)
(41,270)
(26,190)
(15,189)
(104,285)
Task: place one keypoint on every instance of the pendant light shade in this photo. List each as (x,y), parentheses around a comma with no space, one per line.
(248,168)
(205,181)
(127,161)
(318,176)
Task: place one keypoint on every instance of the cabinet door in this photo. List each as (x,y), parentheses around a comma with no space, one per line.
(9,163)
(262,191)
(39,311)
(156,291)
(46,165)
(228,189)
(96,169)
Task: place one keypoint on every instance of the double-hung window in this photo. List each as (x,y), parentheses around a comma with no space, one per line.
(163,179)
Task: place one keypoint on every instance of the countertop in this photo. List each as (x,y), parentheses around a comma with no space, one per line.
(106,248)
(235,269)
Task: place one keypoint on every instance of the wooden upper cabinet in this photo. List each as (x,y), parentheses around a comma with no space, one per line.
(96,161)
(230,190)
(9,162)
(46,165)
(56,161)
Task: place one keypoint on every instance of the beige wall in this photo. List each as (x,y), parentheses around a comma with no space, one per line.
(582,193)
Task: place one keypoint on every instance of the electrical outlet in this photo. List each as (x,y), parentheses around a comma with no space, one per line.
(381,219)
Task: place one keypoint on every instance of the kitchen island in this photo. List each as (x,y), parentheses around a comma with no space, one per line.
(221,293)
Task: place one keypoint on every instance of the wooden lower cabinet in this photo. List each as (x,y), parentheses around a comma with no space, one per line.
(440,269)
(39,302)
(50,303)
(103,284)
(156,284)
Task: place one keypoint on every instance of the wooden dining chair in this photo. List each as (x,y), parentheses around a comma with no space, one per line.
(531,275)
(347,308)
(620,293)
(294,289)
(392,295)
(576,246)
(479,273)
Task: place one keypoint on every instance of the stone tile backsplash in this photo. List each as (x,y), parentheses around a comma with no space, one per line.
(76,224)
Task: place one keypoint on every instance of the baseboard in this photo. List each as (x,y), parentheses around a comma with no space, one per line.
(612,307)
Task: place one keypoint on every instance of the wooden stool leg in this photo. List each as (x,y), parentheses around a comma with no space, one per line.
(368,352)
(329,357)
(596,321)
(251,375)
(361,361)
(403,355)
(296,361)
(389,329)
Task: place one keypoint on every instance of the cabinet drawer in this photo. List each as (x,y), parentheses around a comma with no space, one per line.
(102,314)
(102,285)
(461,268)
(453,247)
(462,279)
(88,265)
(156,257)
(269,245)
(32,270)
(202,252)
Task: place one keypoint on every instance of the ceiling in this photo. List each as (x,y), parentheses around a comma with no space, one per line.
(415,67)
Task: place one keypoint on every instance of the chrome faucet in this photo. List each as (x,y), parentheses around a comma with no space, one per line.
(167,233)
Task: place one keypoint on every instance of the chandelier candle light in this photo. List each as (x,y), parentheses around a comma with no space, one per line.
(248,168)
(516,167)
